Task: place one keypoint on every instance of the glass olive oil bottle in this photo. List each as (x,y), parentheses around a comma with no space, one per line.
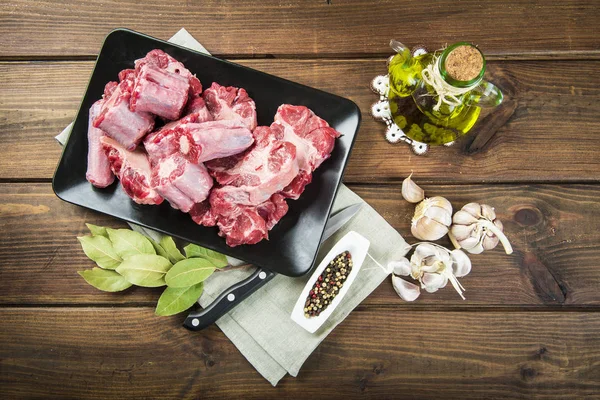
(417,81)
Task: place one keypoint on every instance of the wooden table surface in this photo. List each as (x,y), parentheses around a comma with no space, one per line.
(530,327)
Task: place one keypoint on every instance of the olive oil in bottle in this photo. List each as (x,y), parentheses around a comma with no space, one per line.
(415,104)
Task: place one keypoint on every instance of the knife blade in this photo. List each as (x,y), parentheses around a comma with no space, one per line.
(198,320)
(338,220)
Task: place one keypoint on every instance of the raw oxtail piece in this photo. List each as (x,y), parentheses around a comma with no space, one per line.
(159,92)
(182,183)
(117,120)
(98,168)
(159,59)
(231,103)
(133,170)
(205,141)
(164,142)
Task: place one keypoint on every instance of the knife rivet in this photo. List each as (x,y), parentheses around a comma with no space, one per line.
(231,297)
(195,322)
(262,275)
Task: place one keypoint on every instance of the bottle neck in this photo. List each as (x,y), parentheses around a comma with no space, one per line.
(446,75)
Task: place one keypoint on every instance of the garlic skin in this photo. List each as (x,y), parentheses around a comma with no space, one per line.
(411,192)
(475,228)
(432,219)
(433,266)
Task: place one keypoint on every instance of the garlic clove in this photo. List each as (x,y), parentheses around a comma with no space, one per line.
(489,242)
(441,202)
(428,229)
(478,248)
(411,192)
(440,215)
(473,208)
(488,212)
(462,217)
(421,252)
(498,224)
(401,267)
(406,290)
(432,282)
(469,242)
(461,232)
(462,263)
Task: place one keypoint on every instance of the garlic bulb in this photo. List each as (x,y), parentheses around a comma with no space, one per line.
(433,266)
(475,229)
(411,192)
(432,218)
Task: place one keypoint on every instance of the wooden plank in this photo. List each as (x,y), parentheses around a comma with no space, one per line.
(552,135)
(91,353)
(553,229)
(74,28)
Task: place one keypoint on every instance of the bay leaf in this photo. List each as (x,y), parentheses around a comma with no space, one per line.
(100,250)
(105,280)
(189,272)
(159,249)
(128,243)
(97,230)
(168,244)
(146,270)
(193,250)
(176,300)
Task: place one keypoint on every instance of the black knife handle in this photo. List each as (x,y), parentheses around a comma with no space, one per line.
(231,297)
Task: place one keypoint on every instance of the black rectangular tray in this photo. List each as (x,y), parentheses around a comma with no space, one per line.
(294,242)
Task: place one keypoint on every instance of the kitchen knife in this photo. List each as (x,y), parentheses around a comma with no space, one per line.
(235,294)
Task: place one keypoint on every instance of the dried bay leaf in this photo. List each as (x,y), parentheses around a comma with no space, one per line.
(218,260)
(100,250)
(128,243)
(189,272)
(176,300)
(96,230)
(108,281)
(159,249)
(146,270)
(171,249)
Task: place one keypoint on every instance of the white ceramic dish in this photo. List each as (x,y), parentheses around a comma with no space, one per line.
(358,246)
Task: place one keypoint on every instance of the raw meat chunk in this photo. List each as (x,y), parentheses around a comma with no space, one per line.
(256,182)
(312,136)
(182,183)
(205,141)
(261,173)
(118,121)
(231,103)
(197,111)
(246,224)
(162,60)
(159,92)
(202,214)
(133,170)
(98,168)
(273,210)
(163,142)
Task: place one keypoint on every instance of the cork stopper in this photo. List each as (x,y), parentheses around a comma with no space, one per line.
(464,63)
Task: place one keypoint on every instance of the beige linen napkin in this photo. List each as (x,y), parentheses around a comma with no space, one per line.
(261,327)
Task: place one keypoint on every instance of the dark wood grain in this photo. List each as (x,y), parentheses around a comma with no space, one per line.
(91,353)
(75,28)
(552,134)
(553,229)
